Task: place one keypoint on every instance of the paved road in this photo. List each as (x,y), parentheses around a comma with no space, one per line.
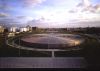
(53,39)
(23,62)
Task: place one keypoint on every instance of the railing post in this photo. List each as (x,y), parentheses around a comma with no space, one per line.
(53,54)
(19,46)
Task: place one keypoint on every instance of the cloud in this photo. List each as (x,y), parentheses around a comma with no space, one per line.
(86,6)
(82,23)
(4,5)
(25,17)
(42,23)
(3,14)
(87,24)
(97,8)
(36,22)
(32,3)
(8,22)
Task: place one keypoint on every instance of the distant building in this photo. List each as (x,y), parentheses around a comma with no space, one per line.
(23,29)
(13,29)
(34,28)
(1,29)
(29,28)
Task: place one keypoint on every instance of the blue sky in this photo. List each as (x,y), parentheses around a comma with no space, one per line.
(51,13)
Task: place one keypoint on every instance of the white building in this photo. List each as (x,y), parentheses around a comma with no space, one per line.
(29,28)
(13,29)
(23,29)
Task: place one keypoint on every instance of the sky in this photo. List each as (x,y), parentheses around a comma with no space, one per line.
(50,13)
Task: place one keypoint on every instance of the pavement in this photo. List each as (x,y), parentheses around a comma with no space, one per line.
(53,39)
(42,62)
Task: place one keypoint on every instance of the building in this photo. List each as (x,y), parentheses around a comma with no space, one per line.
(23,29)
(29,28)
(1,29)
(34,28)
(13,29)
